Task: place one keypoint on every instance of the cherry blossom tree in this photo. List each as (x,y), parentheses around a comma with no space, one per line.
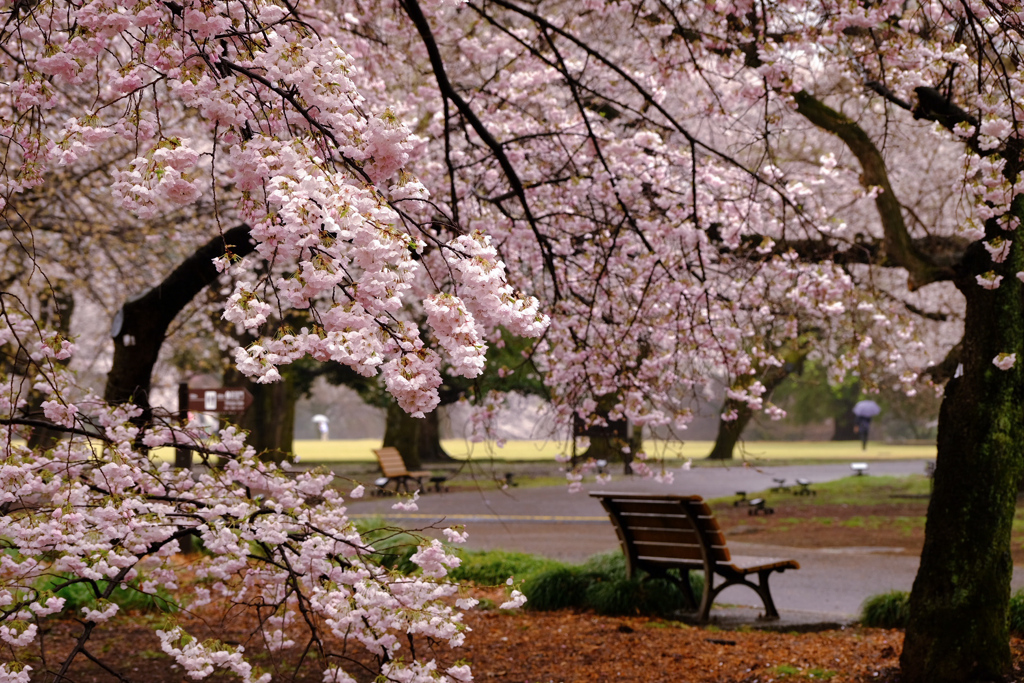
(259,105)
(631,156)
(631,163)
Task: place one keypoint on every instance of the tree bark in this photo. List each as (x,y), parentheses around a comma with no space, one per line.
(270,420)
(417,439)
(57,307)
(957,629)
(141,324)
(730,431)
(844,427)
(609,448)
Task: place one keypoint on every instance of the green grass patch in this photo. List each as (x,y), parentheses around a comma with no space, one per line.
(1015,613)
(886,610)
(600,584)
(853,491)
(892,610)
(492,567)
(129,597)
(787,670)
(393,546)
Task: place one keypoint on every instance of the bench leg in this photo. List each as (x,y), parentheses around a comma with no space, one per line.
(731,579)
(766,594)
(708,596)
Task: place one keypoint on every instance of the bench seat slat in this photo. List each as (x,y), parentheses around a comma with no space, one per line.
(644,507)
(656,521)
(748,565)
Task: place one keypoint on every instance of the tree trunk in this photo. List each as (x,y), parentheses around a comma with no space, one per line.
(957,629)
(730,431)
(417,439)
(844,427)
(270,420)
(57,306)
(609,448)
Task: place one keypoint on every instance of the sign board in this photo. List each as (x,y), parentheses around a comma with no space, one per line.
(222,400)
(612,428)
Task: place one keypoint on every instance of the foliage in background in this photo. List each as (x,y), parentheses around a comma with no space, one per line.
(809,399)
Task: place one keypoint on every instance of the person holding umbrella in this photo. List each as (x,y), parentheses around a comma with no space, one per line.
(322,423)
(864,411)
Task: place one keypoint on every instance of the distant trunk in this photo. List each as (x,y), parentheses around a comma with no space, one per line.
(730,431)
(57,306)
(958,629)
(845,420)
(845,424)
(610,450)
(417,439)
(270,419)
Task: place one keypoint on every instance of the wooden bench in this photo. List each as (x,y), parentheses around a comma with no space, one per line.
(662,532)
(393,467)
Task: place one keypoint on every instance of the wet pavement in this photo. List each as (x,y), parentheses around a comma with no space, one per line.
(830,586)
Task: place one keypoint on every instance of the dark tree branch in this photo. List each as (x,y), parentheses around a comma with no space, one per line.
(930,315)
(145,319)
(415,14)
(934,106)
(886,92)
(900,249)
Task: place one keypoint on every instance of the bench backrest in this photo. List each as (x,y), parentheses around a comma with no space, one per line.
(665,529)
(391,463)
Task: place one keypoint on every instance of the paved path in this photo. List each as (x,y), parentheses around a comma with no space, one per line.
(554,502)
(548,521)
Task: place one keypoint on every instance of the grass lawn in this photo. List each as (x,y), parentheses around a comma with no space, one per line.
(361,450)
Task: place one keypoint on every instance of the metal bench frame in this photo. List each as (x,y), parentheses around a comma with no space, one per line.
(662,532)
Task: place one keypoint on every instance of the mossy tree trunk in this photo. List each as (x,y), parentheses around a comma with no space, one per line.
(845,422)
(417,439)
(958,627)
(610,449)
(730,431)
(845,427)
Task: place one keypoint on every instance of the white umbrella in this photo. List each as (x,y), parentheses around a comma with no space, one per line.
(866,409)
(320,418)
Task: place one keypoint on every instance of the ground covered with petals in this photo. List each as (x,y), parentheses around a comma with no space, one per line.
(539,647)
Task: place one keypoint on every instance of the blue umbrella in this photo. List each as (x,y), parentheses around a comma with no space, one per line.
(866,409)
